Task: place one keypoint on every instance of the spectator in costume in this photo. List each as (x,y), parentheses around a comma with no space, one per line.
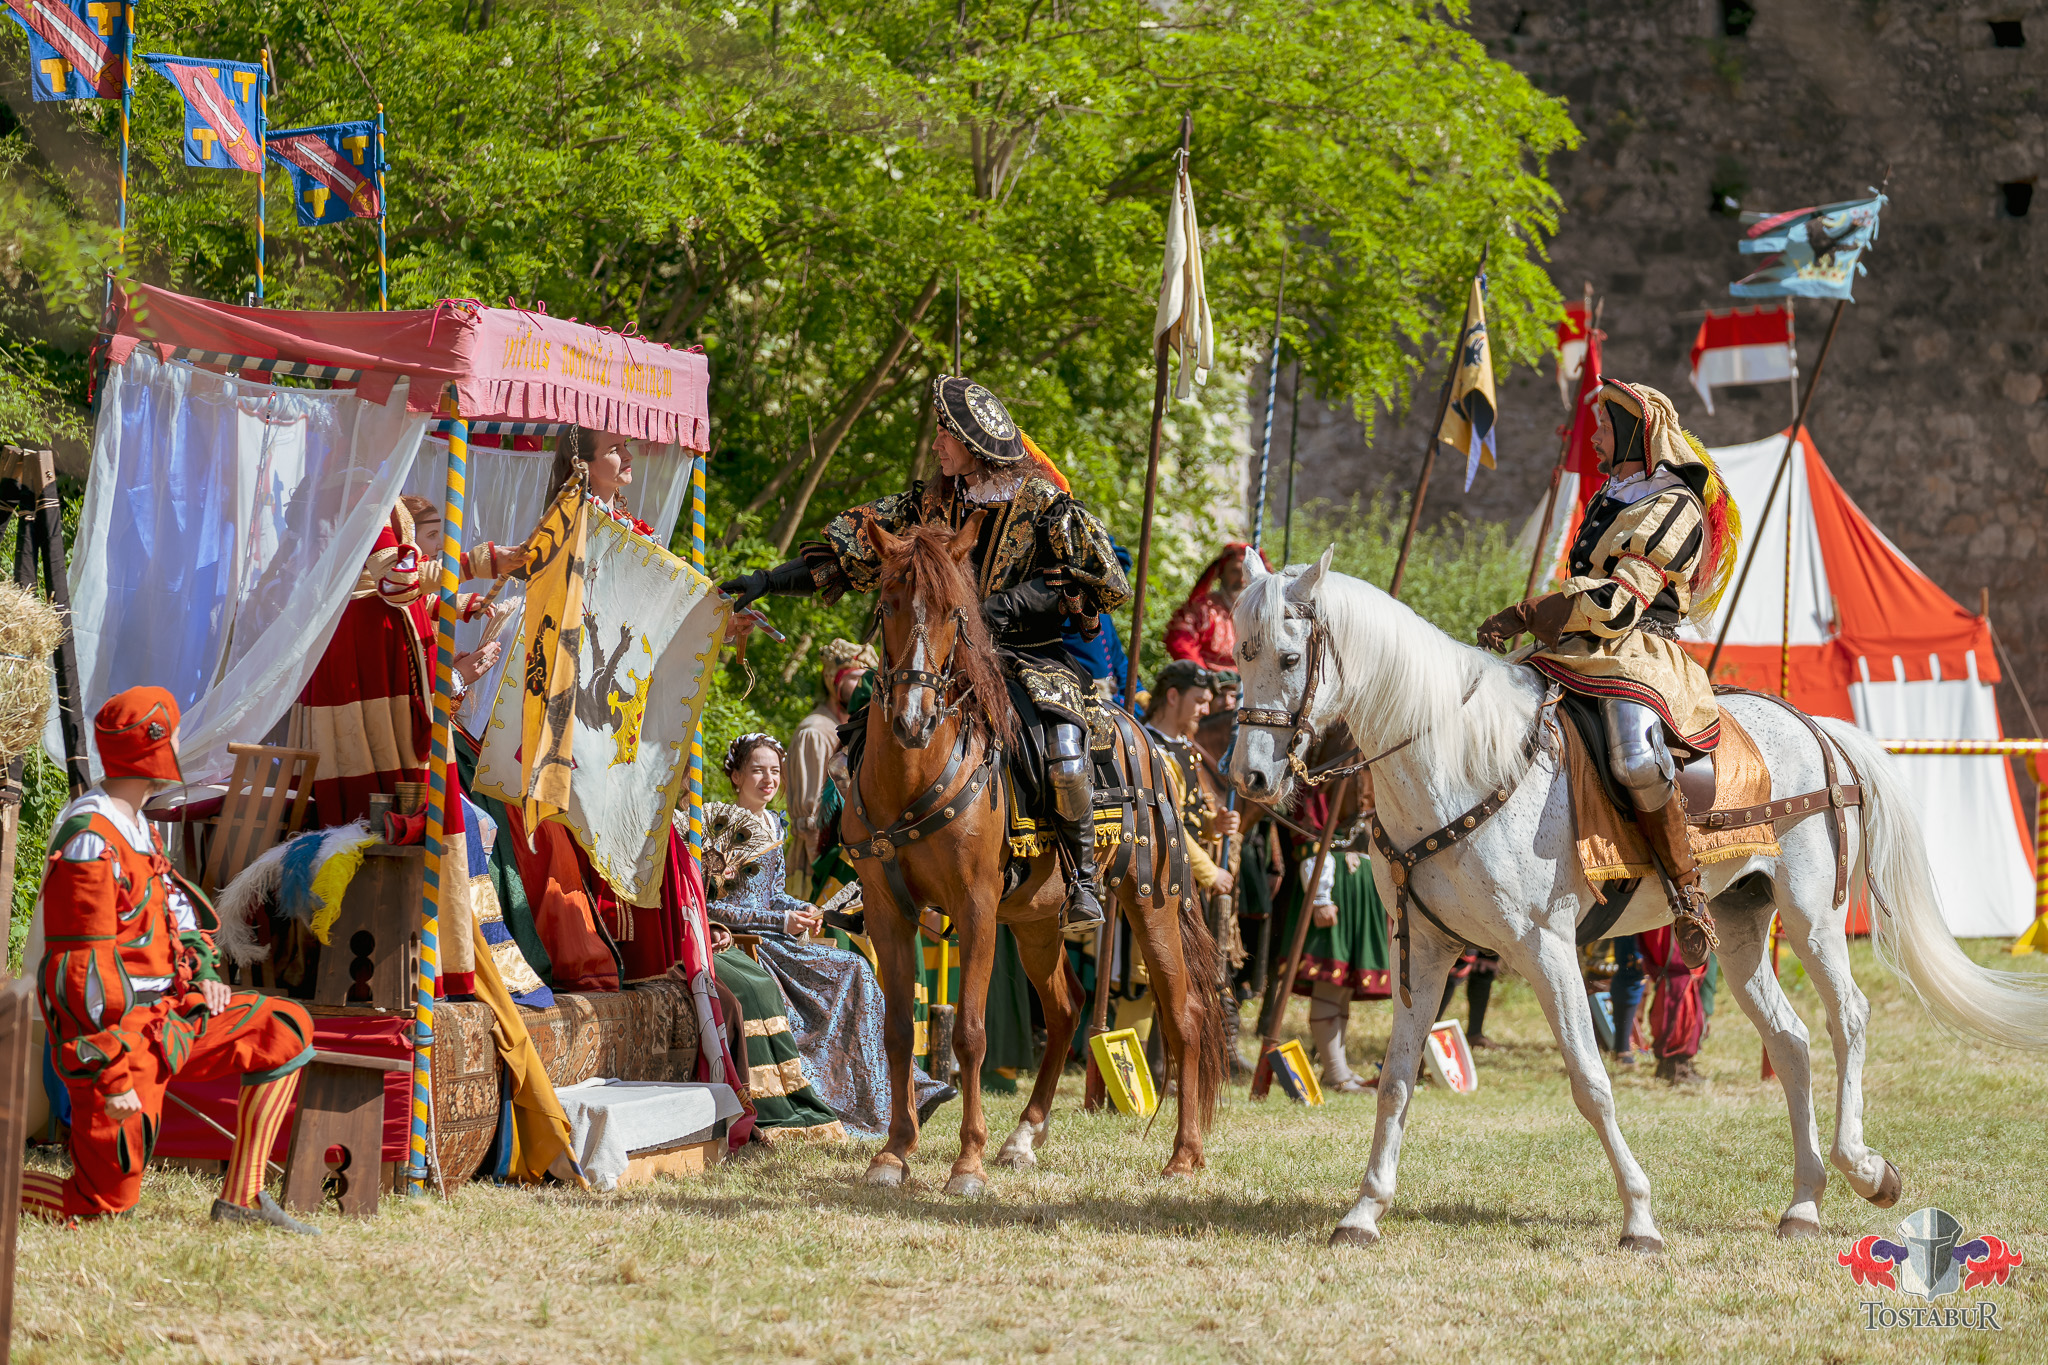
(1344,957)
(817,737)
(1041,562)
(835,1003)
(131,995)
(1200,628)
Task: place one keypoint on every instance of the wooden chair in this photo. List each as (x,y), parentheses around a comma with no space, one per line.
(265,802)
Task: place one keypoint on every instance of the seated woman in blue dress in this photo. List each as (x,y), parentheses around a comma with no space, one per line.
(835,1003)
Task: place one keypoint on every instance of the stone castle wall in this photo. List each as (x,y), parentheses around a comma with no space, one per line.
(1932,411)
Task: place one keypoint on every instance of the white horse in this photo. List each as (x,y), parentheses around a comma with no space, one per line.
(1462,718)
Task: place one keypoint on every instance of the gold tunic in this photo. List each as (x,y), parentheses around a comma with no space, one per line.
(1632,567)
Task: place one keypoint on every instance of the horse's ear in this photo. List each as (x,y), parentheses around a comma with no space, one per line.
(886,545)
(967,537)
(1254,565)
(1303,589)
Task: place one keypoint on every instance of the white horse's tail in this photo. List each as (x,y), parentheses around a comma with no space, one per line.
(1907,925)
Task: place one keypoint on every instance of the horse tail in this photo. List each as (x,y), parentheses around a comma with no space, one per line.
(1204,962)
(1908,929)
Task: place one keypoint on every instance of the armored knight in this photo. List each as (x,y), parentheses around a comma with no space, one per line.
(1041,562)
(1657,547)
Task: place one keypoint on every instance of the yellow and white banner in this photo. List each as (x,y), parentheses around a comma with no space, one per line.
(652,628)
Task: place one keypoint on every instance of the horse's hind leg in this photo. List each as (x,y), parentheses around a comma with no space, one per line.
(1824,951)
(1180,1014)
(1045,962)
(1743,916)
(1429,966)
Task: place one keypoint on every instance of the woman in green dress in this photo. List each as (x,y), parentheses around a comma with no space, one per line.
(1344,957)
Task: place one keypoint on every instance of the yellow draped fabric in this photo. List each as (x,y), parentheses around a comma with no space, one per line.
(540,1129)
(554,640)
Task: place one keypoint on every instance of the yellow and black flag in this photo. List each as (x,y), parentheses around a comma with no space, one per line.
(1468,421)
(554,641)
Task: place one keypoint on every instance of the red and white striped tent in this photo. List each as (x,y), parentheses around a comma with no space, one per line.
(1874,640)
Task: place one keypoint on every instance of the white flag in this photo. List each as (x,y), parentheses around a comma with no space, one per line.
(652,627)
(1183,316)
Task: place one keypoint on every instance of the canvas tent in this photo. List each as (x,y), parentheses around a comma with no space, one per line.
(1874,641)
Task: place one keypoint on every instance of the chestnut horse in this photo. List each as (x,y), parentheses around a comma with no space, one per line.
(930,786)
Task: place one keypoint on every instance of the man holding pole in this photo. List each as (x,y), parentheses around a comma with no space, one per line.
(1657,547)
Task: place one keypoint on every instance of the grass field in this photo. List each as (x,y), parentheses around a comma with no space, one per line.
(1500,1247)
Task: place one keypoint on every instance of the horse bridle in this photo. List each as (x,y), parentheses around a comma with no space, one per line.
(888,679)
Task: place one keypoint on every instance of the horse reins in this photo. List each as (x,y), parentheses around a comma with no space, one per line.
(888,679)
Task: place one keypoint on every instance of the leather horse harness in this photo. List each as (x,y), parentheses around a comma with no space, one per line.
(1834,798)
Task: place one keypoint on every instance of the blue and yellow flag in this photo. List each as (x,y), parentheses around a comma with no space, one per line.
(1819,249)
(223,109)
(74,47)
(334,170)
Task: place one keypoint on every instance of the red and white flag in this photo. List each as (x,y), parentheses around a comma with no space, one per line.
(1743,346)
(1571,350)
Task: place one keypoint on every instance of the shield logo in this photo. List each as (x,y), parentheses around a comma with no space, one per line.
(1931,1269)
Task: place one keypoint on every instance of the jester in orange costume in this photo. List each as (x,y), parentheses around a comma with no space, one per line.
(131,997)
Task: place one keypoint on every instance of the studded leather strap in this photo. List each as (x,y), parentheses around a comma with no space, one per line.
(1834,798)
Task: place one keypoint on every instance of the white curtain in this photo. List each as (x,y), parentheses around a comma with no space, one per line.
(506,493)
(225,521)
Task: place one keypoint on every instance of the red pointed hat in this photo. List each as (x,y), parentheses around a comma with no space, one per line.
(133,731)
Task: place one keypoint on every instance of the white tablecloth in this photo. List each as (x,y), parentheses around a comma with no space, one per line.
(610,1120)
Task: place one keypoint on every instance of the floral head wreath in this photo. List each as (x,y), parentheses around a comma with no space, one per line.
(737,751)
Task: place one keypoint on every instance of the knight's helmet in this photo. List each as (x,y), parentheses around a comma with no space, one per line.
(1931,1269)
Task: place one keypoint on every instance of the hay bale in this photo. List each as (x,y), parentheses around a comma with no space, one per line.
(29,631)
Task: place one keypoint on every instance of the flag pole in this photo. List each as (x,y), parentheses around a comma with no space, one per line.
(383,209)
(1443,405)
(1293,436)
(1272,397)
(1187,134)
(1564,450)
(121,202)
(262,167)
(697,562)
(1771,499)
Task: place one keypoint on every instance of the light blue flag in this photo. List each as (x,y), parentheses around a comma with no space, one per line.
(1818,249)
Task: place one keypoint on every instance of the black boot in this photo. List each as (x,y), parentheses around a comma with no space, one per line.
(1083,909)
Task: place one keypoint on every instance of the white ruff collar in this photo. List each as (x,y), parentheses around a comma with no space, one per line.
(994,488)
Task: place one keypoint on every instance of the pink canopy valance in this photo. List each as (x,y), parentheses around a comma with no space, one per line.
(507,364)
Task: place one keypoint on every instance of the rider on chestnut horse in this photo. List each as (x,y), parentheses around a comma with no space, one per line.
(1041,560)
(1657,547)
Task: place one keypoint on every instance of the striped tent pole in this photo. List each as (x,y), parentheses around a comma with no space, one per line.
(121,202)
(2040,766)
(1972,748)
(383,269)
(437,791)
(1785,649)
(262,168)
(697,562)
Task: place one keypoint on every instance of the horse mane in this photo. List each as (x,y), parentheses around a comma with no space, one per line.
(1415,680)
(944,587)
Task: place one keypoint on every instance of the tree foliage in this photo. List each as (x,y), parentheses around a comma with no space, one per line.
(805,187)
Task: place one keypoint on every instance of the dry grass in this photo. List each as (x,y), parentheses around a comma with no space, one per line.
(29,630)
(1500,1248)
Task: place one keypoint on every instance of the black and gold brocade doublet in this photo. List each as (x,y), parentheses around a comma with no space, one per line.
(1037,544)
(1631,568)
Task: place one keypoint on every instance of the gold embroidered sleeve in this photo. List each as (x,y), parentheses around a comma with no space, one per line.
(1086,559)
(1653,545)
(844,560)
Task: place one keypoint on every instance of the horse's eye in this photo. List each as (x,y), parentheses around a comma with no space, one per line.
(1289,659)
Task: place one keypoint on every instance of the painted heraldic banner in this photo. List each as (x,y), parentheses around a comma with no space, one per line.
(651,631)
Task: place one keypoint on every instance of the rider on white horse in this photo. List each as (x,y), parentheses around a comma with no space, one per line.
(1657,547)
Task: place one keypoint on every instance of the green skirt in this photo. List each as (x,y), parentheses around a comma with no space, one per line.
(783,1099)
(1353,951)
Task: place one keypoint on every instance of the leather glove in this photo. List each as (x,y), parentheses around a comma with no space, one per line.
(792,579)
(1496,630)
(1011,608)
(1547,617)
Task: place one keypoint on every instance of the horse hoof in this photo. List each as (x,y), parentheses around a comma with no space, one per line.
(1644,1243)
(967,1185)
(1889,1187)
(1017,1159)
(1347,1236)
(1797,1229)
(886,1174)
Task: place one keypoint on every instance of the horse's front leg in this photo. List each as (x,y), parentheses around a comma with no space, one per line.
(970,1034)
(1429,966)
(1552,968)
(894,940)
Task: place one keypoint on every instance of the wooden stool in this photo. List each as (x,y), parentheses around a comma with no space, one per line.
(341,1104)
